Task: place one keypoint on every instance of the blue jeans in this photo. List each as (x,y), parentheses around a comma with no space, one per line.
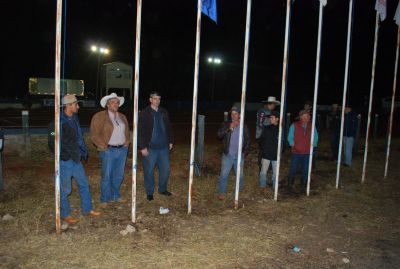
(226,165)
(348,142)
(263,172)
(112,173)
(159,157)
(68,170)
(303,160)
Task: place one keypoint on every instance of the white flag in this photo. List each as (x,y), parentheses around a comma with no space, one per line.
(380,7)
(397,15)
(323,2)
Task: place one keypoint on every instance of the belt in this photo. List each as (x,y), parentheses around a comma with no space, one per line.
(116,147)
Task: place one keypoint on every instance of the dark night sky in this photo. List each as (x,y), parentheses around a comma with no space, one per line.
(168,44)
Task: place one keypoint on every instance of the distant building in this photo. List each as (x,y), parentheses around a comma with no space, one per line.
(116,77)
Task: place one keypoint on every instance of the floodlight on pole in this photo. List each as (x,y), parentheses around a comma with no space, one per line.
(100,52)
(214,61)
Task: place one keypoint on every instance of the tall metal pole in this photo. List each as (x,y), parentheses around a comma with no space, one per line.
(283,96)
(243,102)
(316,85)
(57,115)
(135,107)
(392,107)
(346,76)
(194,113)
(371,96)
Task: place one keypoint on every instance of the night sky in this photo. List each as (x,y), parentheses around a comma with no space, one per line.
(168,45)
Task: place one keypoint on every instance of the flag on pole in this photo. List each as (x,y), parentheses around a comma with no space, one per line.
(324,2)
(397,15)
(380,7)
(209,8)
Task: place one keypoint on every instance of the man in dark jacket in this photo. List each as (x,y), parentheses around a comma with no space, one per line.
(73,149)
(229,134)
(155,140)
(349,134)
(269,150)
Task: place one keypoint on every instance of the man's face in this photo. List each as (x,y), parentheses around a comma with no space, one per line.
(270,106)
(235,116)
(307,107)
(274,120)
(113,104)
(305,118)
(74,107)
(155,100)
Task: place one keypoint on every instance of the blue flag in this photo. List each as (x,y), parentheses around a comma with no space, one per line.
(209,8)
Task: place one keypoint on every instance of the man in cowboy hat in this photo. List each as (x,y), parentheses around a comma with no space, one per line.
(73,150)
(229,134)
(155,140)
(263,114)
(109,131)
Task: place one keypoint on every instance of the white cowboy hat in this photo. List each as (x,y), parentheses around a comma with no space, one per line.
(104,100)
(271,99)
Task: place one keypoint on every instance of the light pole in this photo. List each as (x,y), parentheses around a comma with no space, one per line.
(100,52)
(214,62)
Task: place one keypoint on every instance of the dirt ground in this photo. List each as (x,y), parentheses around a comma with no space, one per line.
(356,226)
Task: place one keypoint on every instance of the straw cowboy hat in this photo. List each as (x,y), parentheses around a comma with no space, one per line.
(271,99)
(104,100)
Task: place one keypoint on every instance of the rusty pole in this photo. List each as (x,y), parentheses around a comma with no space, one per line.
(371,96)
(283,96)
(392,107)
(194,113)
(243,102)
(316,85)
(135,107)
(57,115)
(346,76)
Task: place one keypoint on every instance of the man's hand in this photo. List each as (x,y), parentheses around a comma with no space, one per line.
(170,146)
(144,152)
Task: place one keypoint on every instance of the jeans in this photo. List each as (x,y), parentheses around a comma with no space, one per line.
(159,157)
(226,165)
(68,170)
(299,159)
(112,173)
(348,149)
(263,173)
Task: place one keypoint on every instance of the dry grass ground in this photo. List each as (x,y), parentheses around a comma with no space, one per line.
(357,222)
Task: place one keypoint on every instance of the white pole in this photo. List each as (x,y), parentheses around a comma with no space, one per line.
(317,67)
(194,113)
(346,76)
(392,107)
(243,102)
(283,96)
(57,115)
(135,107)
(371,96)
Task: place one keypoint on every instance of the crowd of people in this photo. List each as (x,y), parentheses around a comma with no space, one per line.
(109,132)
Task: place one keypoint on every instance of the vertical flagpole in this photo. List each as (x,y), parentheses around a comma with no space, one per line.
(135,107)
(317,67)
(392,107)
(243,103)
(346,76)
(194,113)
(57,116)
(283,96)
(371,96)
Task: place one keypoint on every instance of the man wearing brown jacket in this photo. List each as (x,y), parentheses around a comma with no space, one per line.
(109,131)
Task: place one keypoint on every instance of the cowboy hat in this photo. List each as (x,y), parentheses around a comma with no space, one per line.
(271,99)
(104,100)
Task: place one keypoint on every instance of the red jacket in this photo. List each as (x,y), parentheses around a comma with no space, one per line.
(302,138)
